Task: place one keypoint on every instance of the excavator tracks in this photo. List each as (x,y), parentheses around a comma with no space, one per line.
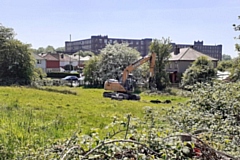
(121,96)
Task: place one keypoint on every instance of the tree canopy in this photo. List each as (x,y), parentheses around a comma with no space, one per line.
(91,70)
(226,57)
(225,65)
(202,70)
(162,49)
(115,58)
(16,61)
(237,28)
(235,72)
(49,49)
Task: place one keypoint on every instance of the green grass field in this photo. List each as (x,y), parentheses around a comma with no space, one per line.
(33,118)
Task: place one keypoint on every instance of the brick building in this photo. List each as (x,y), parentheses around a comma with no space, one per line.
(214,51)
(96,43)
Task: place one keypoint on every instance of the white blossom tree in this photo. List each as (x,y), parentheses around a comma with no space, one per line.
(115,58)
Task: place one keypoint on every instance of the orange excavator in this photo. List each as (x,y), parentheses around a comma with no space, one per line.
(124,87)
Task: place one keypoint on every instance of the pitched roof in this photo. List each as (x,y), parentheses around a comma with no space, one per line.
(50,57)
(64,58)
(188,54)
(56,55)
(37,56)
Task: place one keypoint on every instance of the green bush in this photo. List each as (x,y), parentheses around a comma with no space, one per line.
(213,113)
(202,70)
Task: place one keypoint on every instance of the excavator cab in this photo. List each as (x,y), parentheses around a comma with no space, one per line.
(129,83)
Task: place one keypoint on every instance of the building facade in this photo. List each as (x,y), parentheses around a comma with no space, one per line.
(40,62)
(181,59)
(52,61)
(96,43)
(214,51)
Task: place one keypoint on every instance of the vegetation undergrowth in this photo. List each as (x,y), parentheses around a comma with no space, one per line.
(37,124)
(56,89)
(32,119)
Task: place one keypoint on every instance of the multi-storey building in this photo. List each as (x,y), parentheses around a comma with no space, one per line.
(96,43)
(214,51)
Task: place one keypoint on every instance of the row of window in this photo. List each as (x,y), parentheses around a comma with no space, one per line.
(205,48)
(111,41)
(82,42)
(215,56)
(77,43)
(208,47)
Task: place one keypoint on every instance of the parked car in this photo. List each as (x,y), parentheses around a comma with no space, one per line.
(70,78)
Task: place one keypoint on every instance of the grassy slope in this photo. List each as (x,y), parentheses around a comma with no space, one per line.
(30,116)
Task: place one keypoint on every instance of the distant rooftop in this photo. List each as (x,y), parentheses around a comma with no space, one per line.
(188,54)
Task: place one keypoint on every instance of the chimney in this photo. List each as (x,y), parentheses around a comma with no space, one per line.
(176,50)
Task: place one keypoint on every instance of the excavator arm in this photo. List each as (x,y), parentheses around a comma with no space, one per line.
(123,89)
(136,64)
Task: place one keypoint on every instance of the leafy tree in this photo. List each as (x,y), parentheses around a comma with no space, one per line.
(39,74)
(225,65)
(60,49)
(5,34)
(202,70)
(50,49)
(40,50)
(237,28)
(226,57)
(16,62)
(145,72)
(162,49)
(235,73)
(91,70)
(115,58)
(87,53)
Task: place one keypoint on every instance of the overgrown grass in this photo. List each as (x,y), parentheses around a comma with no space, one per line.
(34,118)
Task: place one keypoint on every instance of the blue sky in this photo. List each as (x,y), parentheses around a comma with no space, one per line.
(50,22)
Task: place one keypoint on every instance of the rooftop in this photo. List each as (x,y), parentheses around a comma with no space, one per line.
(188,54)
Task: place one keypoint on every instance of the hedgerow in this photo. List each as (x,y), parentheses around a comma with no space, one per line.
(213,114)
(133,138)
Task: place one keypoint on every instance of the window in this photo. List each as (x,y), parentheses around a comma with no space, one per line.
(105,41)
(38,61)
(176,65)
(170,65)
